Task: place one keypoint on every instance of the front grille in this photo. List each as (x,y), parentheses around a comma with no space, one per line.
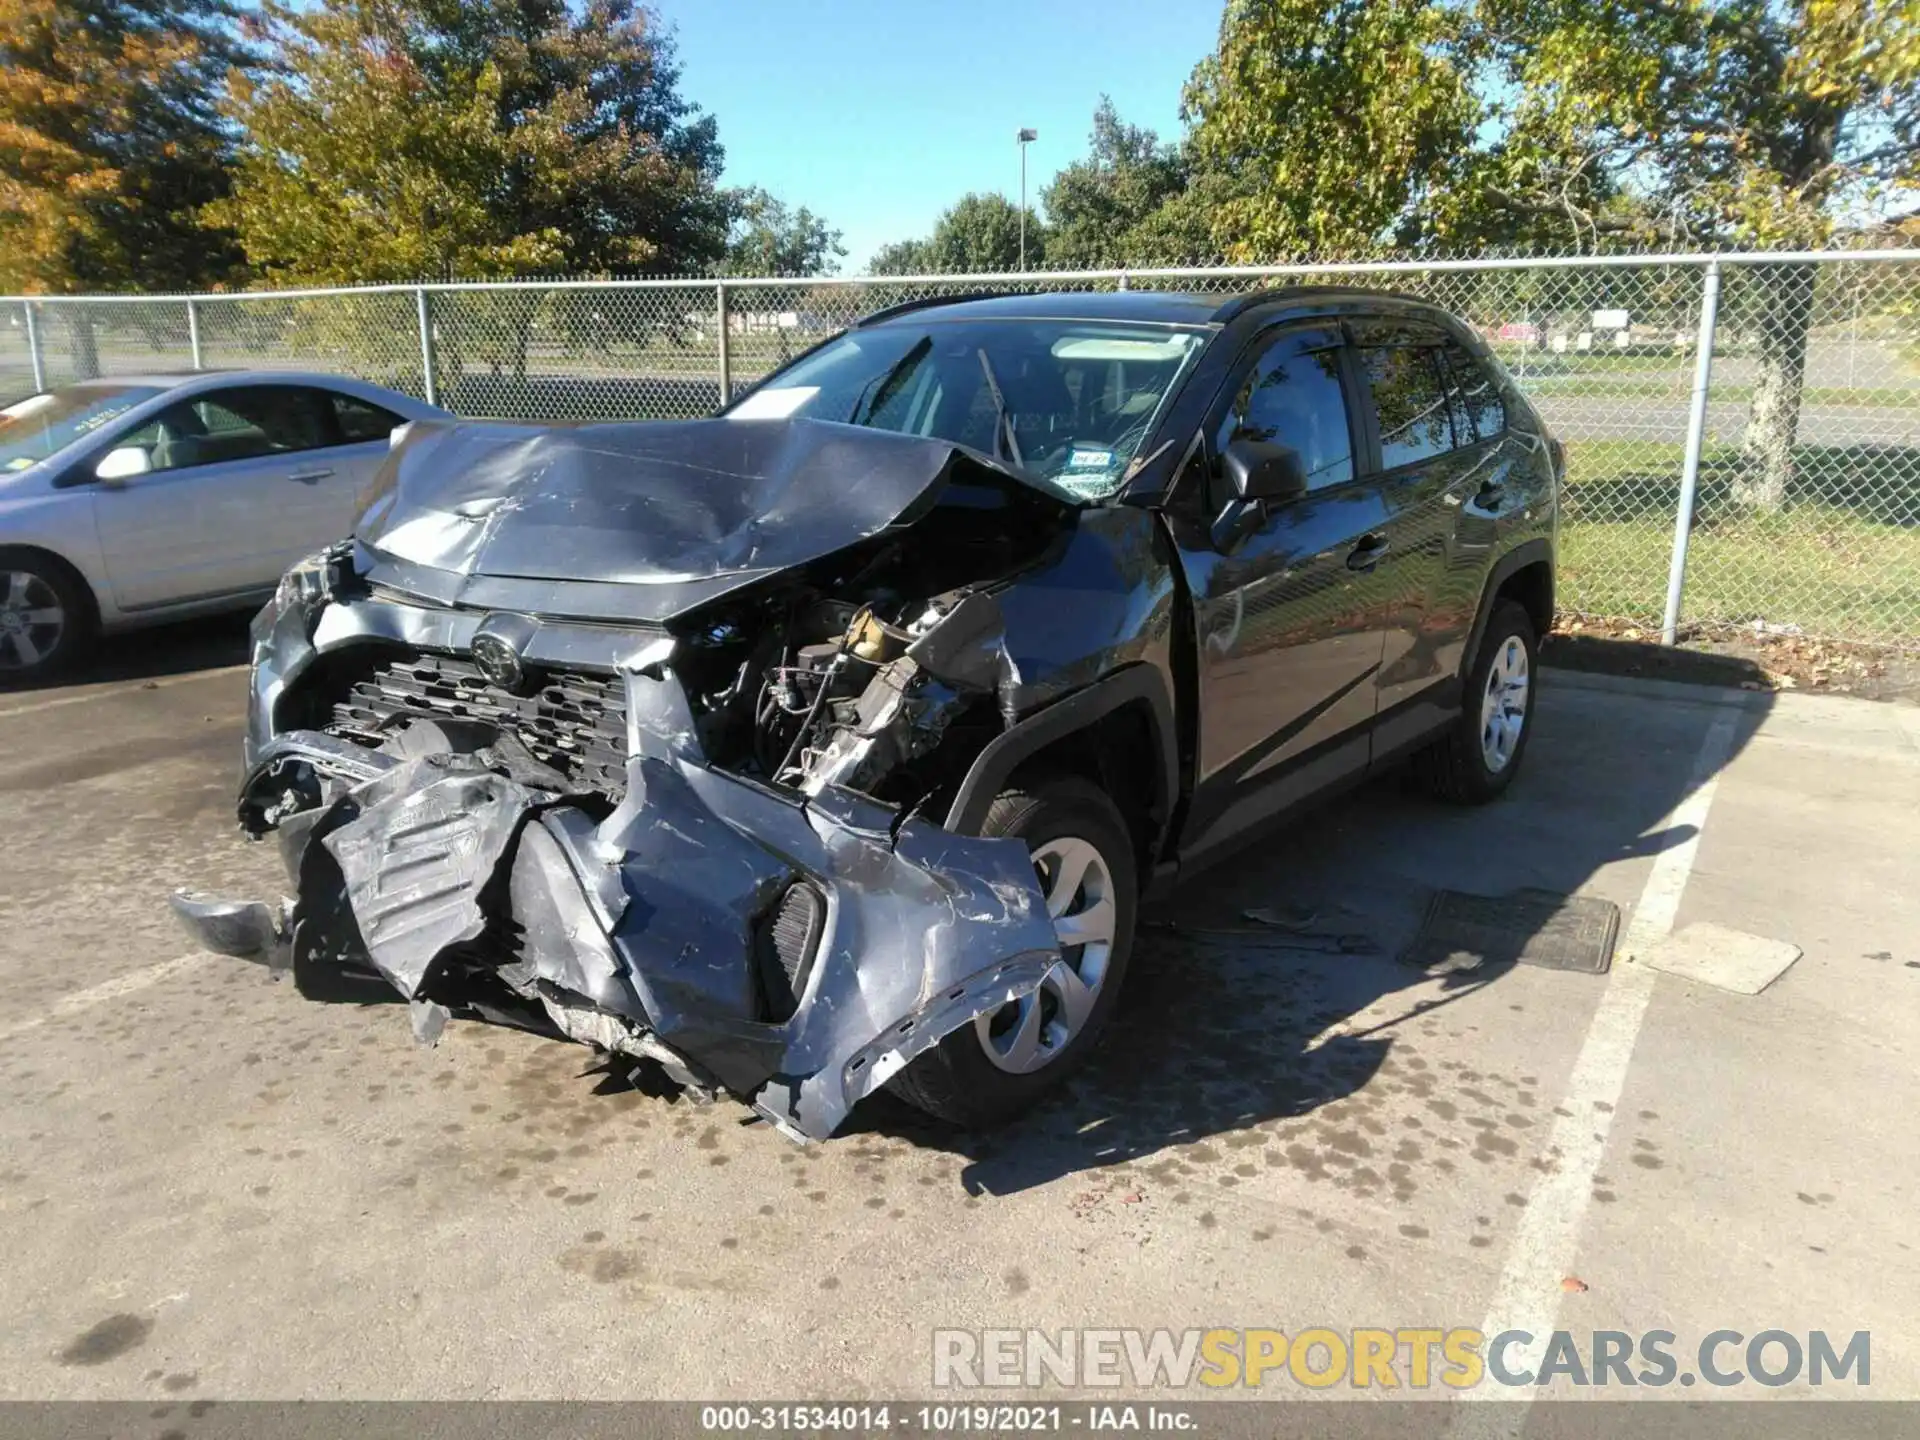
(574,721)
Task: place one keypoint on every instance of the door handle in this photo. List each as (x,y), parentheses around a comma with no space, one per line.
(1367,553)
(308,477)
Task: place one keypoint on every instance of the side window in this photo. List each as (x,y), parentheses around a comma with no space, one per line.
(1294,397)
(241,424)
(1478,396)
(1411,401)
(362,420)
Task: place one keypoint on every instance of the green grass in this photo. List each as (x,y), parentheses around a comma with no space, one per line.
(1677,386)
(1841,559)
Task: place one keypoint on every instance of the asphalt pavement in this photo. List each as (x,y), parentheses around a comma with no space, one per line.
(211,1187)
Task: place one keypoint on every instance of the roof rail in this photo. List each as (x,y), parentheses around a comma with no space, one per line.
(1239,304)
(926,302)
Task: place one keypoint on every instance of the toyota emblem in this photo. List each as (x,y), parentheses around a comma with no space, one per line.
(499,662)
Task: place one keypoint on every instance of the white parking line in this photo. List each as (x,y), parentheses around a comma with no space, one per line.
(1548,1235)
(116,988)
(60,702)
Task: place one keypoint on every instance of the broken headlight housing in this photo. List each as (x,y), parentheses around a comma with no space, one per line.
(311,582)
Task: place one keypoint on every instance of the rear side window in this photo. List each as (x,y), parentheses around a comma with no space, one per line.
(1476,397)
(1410,398)
(1294,397)
(362,420)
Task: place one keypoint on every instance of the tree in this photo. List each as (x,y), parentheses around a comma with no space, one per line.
(978,233)
(902,257)
(1734,122)
(110,143)
(403,139)
(1097,207)
(1336,118)
(1363,125)
(767,237)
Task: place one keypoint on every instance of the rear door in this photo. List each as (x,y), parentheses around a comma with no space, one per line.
(244,481)
(1288,620)
(1433,465)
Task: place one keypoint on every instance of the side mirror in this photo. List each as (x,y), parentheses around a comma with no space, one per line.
(1263,470)
(123,463)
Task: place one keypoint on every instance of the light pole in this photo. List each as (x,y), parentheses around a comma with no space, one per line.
(1025,138)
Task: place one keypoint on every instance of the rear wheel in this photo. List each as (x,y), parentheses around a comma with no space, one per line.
(1083,858)
(45,618)
(1476,758)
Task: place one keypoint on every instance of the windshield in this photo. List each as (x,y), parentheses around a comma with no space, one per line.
(40,426)
(1070,401)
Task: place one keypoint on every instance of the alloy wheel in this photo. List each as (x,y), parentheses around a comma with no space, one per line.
(1029,1033)
(1503,708)
(32,620)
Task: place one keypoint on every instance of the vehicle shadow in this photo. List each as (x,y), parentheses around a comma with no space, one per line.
(152,654)
(1224,1037)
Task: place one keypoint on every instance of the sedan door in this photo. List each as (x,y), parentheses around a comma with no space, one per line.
(1289,618)
(242,482)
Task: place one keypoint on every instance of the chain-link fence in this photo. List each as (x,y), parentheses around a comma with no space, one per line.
(1798,446)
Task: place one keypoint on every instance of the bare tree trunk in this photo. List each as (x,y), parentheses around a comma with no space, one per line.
(1783,313)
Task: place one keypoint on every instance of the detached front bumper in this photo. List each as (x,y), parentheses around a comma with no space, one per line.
(465,882)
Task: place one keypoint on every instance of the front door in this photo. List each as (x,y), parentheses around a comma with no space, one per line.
(244,481)
(1288,619)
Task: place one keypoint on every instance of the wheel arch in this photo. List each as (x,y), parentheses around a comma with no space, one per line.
(1128,716)
(83,587)
(1524,574)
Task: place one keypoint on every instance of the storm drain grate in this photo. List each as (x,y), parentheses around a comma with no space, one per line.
(1525,927)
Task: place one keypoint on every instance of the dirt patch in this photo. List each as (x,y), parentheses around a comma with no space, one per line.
(1735,656)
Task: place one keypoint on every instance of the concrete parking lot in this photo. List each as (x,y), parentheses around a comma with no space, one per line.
(212,1187)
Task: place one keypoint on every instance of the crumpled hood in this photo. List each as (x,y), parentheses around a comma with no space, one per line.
(682,511)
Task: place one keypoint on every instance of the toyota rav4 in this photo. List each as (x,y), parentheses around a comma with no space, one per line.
(835,741)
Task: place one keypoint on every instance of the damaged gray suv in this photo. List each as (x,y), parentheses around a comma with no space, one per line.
(834,742)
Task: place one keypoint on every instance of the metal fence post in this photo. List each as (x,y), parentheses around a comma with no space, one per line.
(1696,436)
(193,333)
(1123,280)
(726,367)
(426,343)
(33,350)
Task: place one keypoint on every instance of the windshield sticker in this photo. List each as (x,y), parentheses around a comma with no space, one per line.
(773,404)
(1089,457)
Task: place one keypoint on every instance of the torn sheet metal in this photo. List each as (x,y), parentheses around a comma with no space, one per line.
(639,934)
(426,840)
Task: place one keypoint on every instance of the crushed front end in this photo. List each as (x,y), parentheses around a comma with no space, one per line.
(688,835)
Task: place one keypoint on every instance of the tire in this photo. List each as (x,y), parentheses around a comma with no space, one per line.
(1469,764)
(46,616)
(984,1072)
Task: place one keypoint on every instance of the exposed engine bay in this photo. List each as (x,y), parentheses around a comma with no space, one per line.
(677,798)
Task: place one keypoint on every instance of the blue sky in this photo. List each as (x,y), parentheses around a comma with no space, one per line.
(879,115)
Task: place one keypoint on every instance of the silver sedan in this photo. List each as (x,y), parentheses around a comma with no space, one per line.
(145,498)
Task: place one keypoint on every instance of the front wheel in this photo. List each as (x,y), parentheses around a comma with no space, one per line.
(1084,860)
(1477,756)
(45,620)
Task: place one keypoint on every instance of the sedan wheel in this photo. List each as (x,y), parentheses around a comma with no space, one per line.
(33,621)
(1036,1029)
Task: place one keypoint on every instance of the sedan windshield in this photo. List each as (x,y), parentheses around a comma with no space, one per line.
(1070,401)
(41,426)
